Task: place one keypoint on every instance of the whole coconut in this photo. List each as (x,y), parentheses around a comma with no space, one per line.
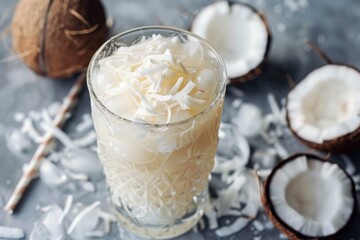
(57,38)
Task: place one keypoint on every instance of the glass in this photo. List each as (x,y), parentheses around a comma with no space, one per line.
(157,173)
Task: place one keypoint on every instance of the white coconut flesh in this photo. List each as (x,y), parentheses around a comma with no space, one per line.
(326,104)
(313,197)
(236,32)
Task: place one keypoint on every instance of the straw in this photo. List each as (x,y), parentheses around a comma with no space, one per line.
(31,170)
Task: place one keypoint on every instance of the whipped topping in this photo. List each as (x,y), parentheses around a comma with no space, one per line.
(157,80)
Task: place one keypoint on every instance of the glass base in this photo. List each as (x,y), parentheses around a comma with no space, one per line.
(163,222)
(147,232)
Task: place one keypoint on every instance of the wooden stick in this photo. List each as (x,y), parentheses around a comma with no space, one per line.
(319,52)
(31,171)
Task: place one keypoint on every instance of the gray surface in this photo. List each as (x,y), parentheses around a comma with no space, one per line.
(333,24)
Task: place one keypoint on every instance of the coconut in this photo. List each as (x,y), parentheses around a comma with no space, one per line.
(57,38)
(323,109)
(307,197)
(239,33)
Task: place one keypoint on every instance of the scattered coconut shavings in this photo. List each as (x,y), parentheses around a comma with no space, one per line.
(85,124)
(28,128)
(275,108)
(84,213)
(87,140)
(19,116)
(236,226)
(83,161)
(280,149)
(249,120)
(295,5)
(259,226)
(95,234)
(263,173)
(77,176)
(11,233)
(18,143)
(201,224)
(108,219)
(59,134)
(266,158)
(53,108)
(88,186)
(211,215)
(107,216)
(236,103)
(51,175)
(282,236)
(35,115)
(107,226)
(67,207)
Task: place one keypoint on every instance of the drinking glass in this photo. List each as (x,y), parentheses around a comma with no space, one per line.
(157,173)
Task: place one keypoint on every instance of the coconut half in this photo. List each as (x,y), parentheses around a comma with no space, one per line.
(239,33)
(308,197)
(323,110)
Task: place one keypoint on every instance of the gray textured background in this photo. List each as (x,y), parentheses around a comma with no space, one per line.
(334,25)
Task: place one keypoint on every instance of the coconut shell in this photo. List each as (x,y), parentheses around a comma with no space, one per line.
(343,144)
(283,226)
(57,38)
(252,73)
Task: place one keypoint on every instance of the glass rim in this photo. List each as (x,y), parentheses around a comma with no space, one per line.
(219,90)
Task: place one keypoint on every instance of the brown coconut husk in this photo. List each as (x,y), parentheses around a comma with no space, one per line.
(283,226)
(62,35)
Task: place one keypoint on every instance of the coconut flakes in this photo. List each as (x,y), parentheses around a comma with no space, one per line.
(11,233)
(67,207)
(84,213)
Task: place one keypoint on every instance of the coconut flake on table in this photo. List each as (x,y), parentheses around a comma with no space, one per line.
(210,213)
(295,5)
(11,233)
(83,161)
(48,227)
(68,204)
(240,199)
(249,120)
(265,157)
(86,140)
(51,174)
(259,226)
(18,142)
(75,159)
(275,108)
(19,116)
(96,234)
(77,176)
(233,151)
(85,123)
(85,221)
(53,108)
(88,186)
(29,129)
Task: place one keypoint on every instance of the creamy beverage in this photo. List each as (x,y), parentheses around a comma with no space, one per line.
(157,104)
